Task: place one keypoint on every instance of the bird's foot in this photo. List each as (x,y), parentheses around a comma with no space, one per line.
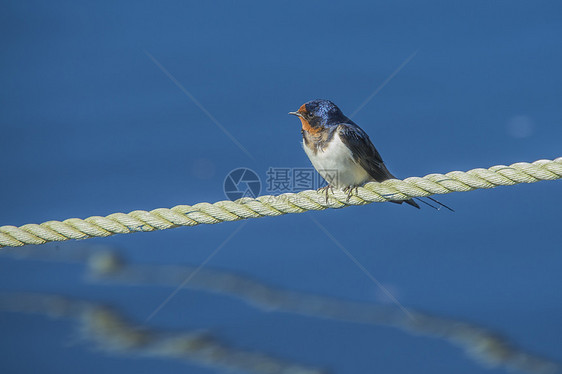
(325,189)
(349,191)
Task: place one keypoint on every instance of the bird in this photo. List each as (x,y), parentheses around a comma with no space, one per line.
(341,151)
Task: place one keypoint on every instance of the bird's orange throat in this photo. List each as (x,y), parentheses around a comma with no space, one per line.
(306,127)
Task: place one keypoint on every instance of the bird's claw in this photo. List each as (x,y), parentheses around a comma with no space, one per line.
(325,189)
(349,191)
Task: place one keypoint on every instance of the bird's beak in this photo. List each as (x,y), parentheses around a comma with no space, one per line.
(296,114)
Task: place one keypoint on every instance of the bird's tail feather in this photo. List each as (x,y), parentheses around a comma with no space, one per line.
(440,203)
(415,205)
(409,202)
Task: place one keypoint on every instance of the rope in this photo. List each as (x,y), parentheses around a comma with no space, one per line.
(205,213)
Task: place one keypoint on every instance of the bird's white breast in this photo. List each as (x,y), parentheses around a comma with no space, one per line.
(336,165)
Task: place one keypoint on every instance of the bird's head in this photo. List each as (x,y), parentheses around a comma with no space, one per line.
(316,115)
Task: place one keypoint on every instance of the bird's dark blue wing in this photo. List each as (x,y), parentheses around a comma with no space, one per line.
(364,152)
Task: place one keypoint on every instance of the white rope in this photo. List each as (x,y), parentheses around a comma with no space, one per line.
(205,213)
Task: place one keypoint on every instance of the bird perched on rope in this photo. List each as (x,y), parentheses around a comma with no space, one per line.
(341,151)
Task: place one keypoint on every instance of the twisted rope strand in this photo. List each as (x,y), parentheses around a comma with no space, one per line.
(205,213)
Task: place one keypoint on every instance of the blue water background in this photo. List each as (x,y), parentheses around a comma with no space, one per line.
(89,125)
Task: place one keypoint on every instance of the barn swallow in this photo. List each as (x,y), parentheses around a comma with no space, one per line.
(340,150)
